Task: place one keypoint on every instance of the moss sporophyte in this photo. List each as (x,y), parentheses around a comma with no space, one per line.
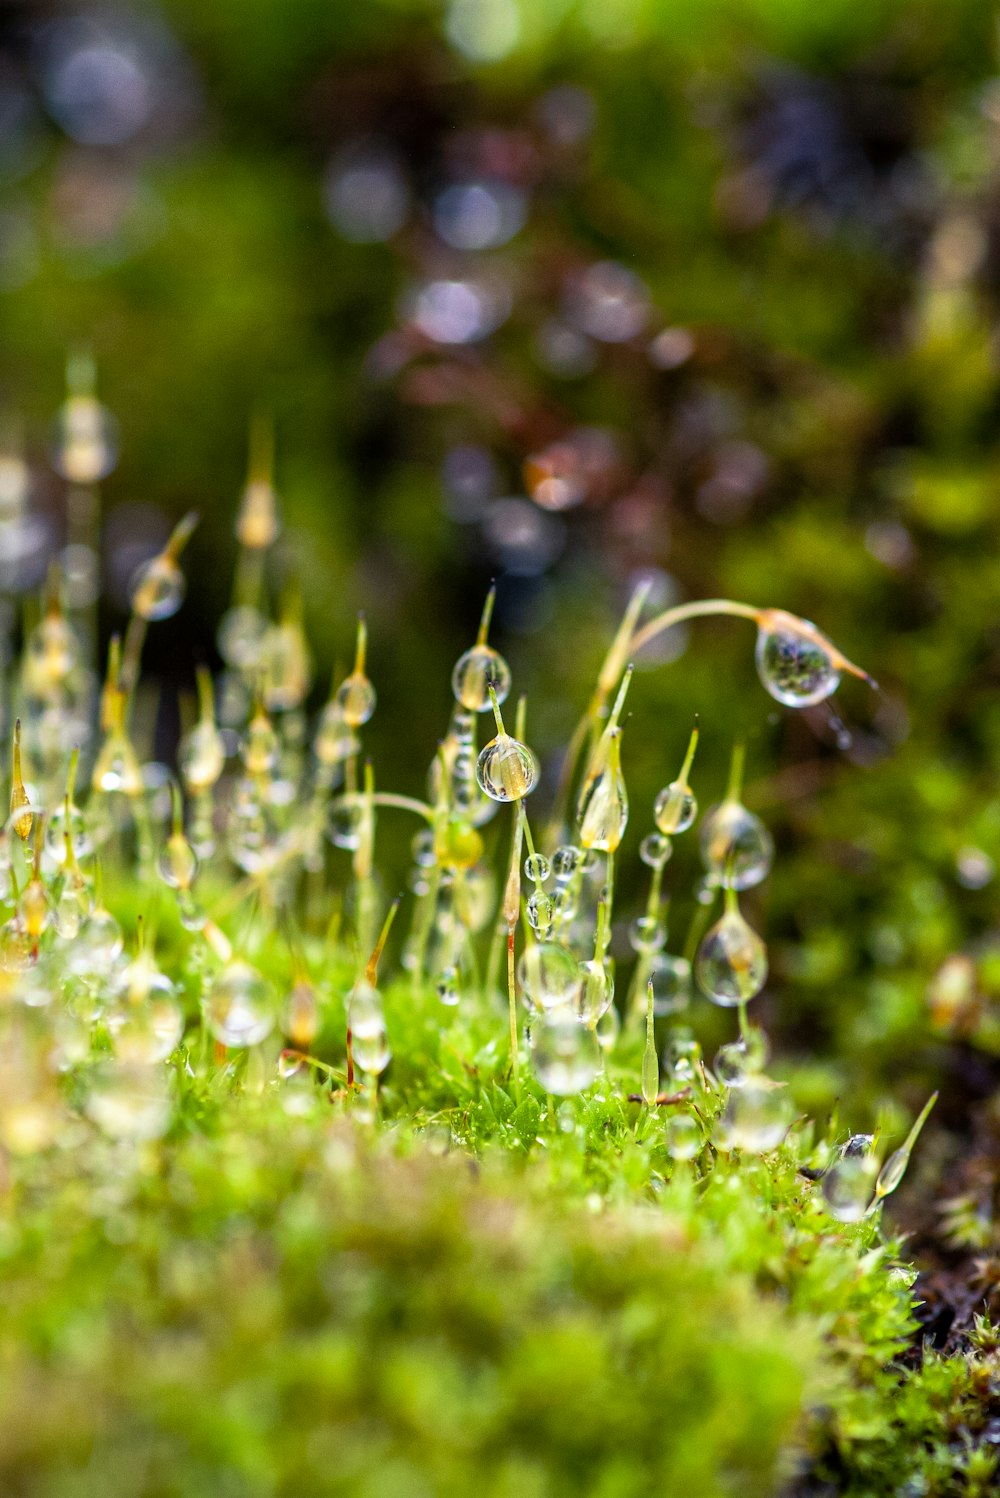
(185,958)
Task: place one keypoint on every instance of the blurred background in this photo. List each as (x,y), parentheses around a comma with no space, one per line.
(568,294)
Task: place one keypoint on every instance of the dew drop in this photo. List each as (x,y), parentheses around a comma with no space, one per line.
(731,963)
(794,662)
(565,1054)
(549,974)
(240,1006)
(736,847)
(675,808)
(475,672)
(506,769)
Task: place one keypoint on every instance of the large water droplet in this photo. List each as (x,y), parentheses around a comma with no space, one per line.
(475,672)
(736,847)
(731,965)
(793,661)
(240,1006)
(506,769)
(565,1054)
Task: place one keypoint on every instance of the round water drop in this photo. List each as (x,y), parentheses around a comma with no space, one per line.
(356,699)
(756,1119)
(347,822)
(565,861)
(731,963)
(740,1061)
(369,1037)
(597,991)
(893,1171)
(794,662)
(681,1056)
(675,808)
(565,1054)
(335,741)
(202,757)
(240,1006)
(540,912)
(422,849)
(178,863)
(506,769)
(157,589)
(475,672)
(736,847)
(536,868)
(241,638)
(682,1136)
(448,990)
(130,1101)
(550,975)
(848,1187)
(647,935)
(671,980)
(608,1029)
(150,1031)
(655,850)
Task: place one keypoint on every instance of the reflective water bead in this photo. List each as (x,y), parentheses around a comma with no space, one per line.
(731,962)
(796,665)
(671,980)
(675,808)
(536,868)
(157,588)
(647,935)
(150,1031)
(540,913)
(369,1037)
(448,989)
(475,672)
(347,820)
(201,755)
(356,698)
(565,861)
(681,1056)
(549,974)
(603,808)
(301,1018)
(422,849)
(608,1028)
(597,991)
(848,1187)
(178,864)
(335,740)
(757,1118)
(506,769)
(736,847)
(240,1006)
(129,1100)
(240,637)
(655,850)
(682,1136)
(565,1055)
(740,1060)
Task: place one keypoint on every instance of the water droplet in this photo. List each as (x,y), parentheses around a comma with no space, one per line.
(741,1060)
(603,808)
(448,989)
(536,868)
(540,911)
(794,662)
(647,935)
(565,860)
(597,991)
(682,1136)
(848,1187)
(356,699)
(150,1031)
(202,757)
(240,1006)
(157,588)
(506,769)
(130,1101)
(565,1054)
(178,864)
(736,847)
(671,980)
(756,1118)
(608,1029)
(347,820)
(675,808)
(549,974)
(731,963)
(475,672)
(369,1037)
(655,850)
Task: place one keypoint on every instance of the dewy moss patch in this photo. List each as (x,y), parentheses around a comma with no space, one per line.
(291,1205)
